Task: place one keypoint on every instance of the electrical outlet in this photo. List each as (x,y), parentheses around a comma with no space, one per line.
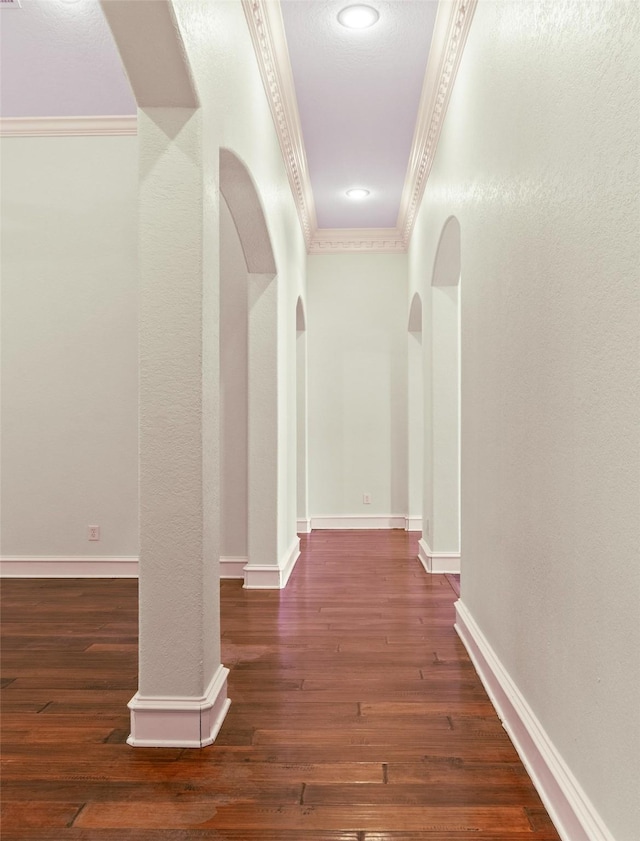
(94,532)
(366,498)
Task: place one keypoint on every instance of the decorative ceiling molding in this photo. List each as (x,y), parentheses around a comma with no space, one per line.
(270,46)
(68,126)
(453,20)
(342,240)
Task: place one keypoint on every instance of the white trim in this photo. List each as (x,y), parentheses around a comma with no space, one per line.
(266,27)
(68,126)
(48,566)
(171,721)
(303,525)
(290,558)
(572,812)
(233,567)
(437,562)
(413,523)
(344,240)
(453,21)
(265,577)
(355,521)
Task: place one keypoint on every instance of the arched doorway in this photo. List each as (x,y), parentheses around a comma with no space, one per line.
(440,544)
(234,400)
(259,413)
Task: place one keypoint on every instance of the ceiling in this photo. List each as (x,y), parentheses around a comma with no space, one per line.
(358,92)
(58,59)
(355,94)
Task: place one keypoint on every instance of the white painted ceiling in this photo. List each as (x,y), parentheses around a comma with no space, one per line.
(358,93)
(358,90)
(58,59)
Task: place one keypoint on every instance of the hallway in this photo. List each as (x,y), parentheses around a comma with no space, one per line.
(356,714)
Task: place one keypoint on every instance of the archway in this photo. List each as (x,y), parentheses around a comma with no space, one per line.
(234,403)
(258,414)
(440,544)
(415,415)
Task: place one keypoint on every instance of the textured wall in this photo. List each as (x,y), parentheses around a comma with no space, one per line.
(69,346)
(357,358)
(539,160)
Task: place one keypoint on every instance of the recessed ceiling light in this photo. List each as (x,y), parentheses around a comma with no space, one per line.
(358,17)
(357,193)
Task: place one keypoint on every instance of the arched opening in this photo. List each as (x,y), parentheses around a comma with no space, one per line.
(241,196)
(248,363)
(415,415)
(302,496)
(234,404)
(440,545)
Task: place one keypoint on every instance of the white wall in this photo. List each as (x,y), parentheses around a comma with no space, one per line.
(539,160)
(69,346)
(357,364)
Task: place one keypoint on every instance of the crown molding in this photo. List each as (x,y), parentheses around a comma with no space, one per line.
(266,27)
(453,22)
(343,240)
(68,126)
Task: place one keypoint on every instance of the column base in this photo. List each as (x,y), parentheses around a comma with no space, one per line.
(265,577)
(438,562)
(173,722)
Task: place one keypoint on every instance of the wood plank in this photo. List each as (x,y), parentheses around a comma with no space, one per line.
(37,814)
(451,793)
(208,814)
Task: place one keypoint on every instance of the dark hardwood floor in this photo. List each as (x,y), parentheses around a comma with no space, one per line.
(356,714)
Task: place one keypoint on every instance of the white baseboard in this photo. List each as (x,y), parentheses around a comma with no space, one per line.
(233,567)
(385,521)
(265,577)
(303,526)
(174,722)
(571,811)
(438,562)
(413,523)
(290,558)
(49,566)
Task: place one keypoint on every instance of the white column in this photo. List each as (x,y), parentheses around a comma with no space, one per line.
(263,569)
(233,399)
(182,684)
(416,432)
(439,548)
(302,495)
